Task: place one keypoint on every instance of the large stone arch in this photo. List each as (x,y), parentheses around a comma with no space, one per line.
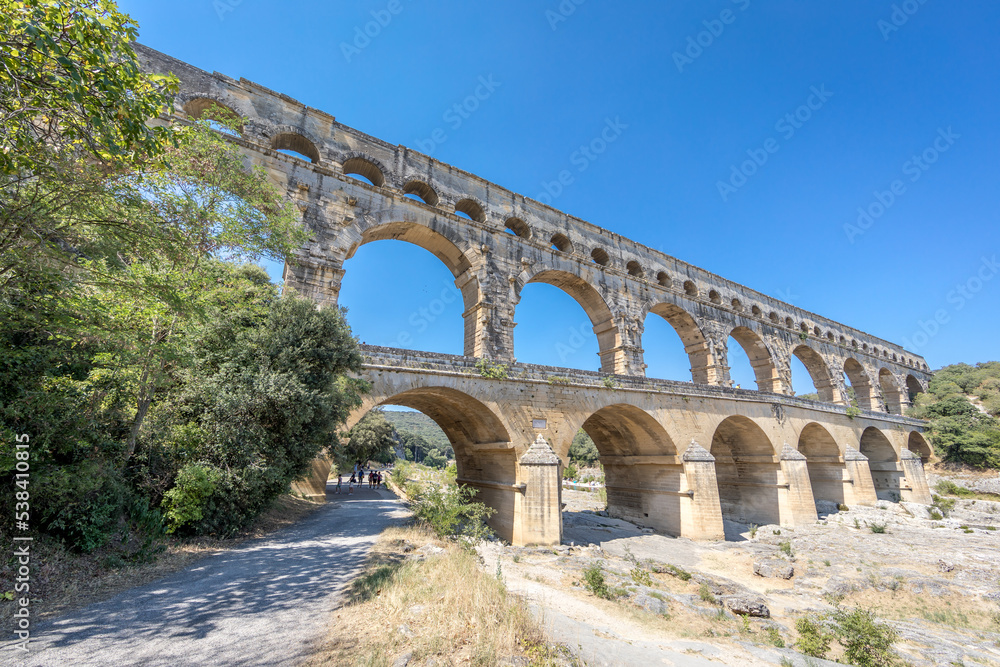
(594,304)
(457,259)
(643,472)
(913,387)
(883,462)
(761,359)
(703,367)
(819,372)
(917,444)
(891,392)
(864,390)
(827,472)
(747,470)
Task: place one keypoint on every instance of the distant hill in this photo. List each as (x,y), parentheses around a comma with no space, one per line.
(962,404)
(420,424)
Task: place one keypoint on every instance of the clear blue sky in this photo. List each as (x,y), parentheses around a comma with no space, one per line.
(891,88)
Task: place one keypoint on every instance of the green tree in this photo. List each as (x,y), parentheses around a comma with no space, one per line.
(372,439)
(583,449)
(435,459)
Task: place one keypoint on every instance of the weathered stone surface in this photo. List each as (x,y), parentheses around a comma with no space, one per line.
(774,568)
(745,605)
(649,603)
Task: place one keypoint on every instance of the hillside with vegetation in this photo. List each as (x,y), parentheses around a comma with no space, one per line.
(421,438)
(963,406)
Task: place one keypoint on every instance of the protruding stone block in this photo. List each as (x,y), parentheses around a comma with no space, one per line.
(796,505)
(862,491)
(916,490)
(540,511)
(701,511)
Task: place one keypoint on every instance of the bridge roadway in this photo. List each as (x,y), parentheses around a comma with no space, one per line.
(678,457)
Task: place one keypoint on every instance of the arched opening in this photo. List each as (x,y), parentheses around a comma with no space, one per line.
(861,384)
(919,446)
(913,387)
(470,209)
(561,243)
(295,145)
(219,116)
(422,191)
(690,289)
(736,305)
(634,269)
(663,279)
(480,443)
(757,312)
(818,372)
(825,464)
(518,227)
(646,494)
(788,322)
(747,472)
(399,296)
(760,366)
(714,297)
(882,461)
(890,392)
(548,326)
(600,256)
(692,340)
(366,169)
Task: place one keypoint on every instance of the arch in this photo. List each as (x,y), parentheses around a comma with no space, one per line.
(803,327)
(593,304)
(634,269)
(891,393)
(445,250)
(199,108)
(695,344)
(819,373)
(864,391)
(600,256)
(518,227)
(736,305)
(817,332)
(761,359)
(295,142)
(467,422)
(789,323)
(824,462)
(755,310)
(663,279)
(366,168)
(690,289)
(830,336)
(882,461)
(561,243)
(714,297)
(422,190)
(622,432)
(917,444)
(747,472)
(773,316)
(913,387)
(471,208)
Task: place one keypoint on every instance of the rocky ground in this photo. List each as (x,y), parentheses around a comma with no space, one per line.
(736,602)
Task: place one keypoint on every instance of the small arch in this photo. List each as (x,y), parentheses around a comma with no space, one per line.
(854,344)
(663,279)
(894,356)
(875,351)
(561,243)
(882,461)
(789,322)
(825,465)
(737,306)
(804,328)
(690,289)
(219,115)
(695,344)
(843,340)
(913,387)
(890,392)
(471,208)
(634,269)
(518,227)
(817,331)
(830,336)
(600,256)
(774,317)
(294,142)
(747,472)
(714,297)
(918,445)
(365,168)
(756,310)
(420,189)
(864,347)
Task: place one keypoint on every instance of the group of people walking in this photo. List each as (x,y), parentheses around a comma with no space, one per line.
(375,479)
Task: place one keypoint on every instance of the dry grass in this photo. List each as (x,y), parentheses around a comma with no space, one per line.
(441,608)
(957,611)
(62,581)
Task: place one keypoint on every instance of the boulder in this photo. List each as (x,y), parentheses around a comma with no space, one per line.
(773,568)
(746,605)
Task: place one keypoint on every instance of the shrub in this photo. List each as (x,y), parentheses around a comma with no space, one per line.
(570,471)
(705,593)
(786,548)
(813,640)
(948,487)
(491,370)
(451,511)
(877,527)
(866,642)
(774,636)
(935,514)
(593,579)
(641,577)
(185,502)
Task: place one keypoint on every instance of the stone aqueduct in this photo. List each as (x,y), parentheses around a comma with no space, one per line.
(679,456)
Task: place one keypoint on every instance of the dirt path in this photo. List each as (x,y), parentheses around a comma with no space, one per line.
(264,603)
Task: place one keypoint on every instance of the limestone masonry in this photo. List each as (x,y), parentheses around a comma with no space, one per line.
(679,457)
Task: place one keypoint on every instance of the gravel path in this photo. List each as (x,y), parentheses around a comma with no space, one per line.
(264,603)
